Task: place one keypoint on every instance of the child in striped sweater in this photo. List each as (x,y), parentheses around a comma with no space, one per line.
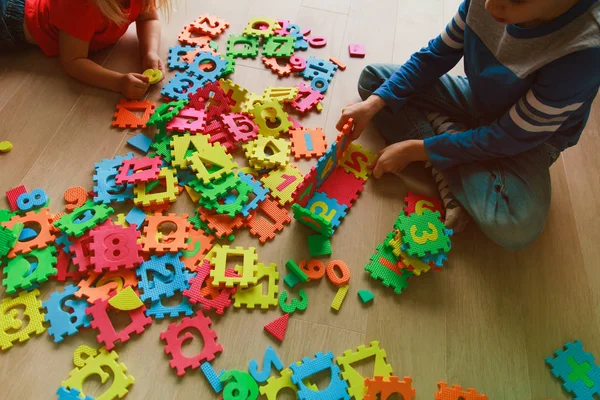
(532,71)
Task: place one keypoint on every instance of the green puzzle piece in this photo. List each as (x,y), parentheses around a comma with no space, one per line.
(83,218)
(249,46)
(580,372)
(313,221)
(423,234)
(18,270)
(383,267)
(279,46)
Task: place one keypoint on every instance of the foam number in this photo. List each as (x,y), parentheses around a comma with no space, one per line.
(298,63)
(271,360)
(27,201)
(327,168)
(238,386)
(425,236)
(297,304)
(355,161)
(75,196)
(420,206)
(324,208)
(287,181)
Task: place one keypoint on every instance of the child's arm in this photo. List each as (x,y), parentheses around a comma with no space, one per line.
(148,31)
(74,58)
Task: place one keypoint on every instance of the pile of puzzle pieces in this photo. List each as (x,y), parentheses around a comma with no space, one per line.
(418,243)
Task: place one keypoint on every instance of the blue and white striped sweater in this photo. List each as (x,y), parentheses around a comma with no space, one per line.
(530,85)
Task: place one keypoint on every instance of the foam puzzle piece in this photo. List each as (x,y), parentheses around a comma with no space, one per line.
(341,266)
(380,388)
(261,27)
(356,381)
(136,217)
(278,327)
(253,296)
(105,285)
(259,192)
(125,118)
(126,300)
(337,388)
(268,219)
(238,384)
(140,142)
(456,392)
(159,311)
(274,64)
(188,120)
(97,362)
(80,248)
(154,75)
(275,111)
(235,94)
(115,247)
(8,239)
(242,46)
(162,276)
(319,245)
(313,221)
(357,160)
(413,264)
(319,68)
(107,190)
(221,301)
(177,239)
(13,194)
(343,186)
(240,127)
(339,297)
(212,163)
(306,189)
(193,37)
(72,394)
(327,208)
(424,234)
(279,46)
(173,59)
(296,304)
(41,219)
(296,32)
(181,86)
(275,385)
(12,328)
(577,370)
(314,269)
(212,377)
(63,270)
(37,198)
(78,222)
(63,323)
(337,62)
(232,202)
(165,112)
(365,296)
(107,334)
(246,272)
(356,50)
(219,64)
(308,143)
(296,270)
(20,274)
(414,203)
(307,98)
(183,144)
(174,342)
(5,146)
(199,244)
(280,94)
(168,181)
(283,182)
(210,25)
(382,266)
(270,360)
(213,100)
(222,225)
(218,135)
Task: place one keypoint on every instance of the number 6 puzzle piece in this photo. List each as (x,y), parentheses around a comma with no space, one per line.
(252,296)
(356,160)
(283,183)
(424,234)
(9,320)
(247,270)
(308,143)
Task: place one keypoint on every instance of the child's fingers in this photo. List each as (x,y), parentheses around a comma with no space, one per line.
(143,78)
(342,121)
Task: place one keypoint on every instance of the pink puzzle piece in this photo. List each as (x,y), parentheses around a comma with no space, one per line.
(240,127)
(356,50)
(138,170)
(188,120)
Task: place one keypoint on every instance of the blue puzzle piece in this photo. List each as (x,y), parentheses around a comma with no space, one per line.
(212,376)
(113,163)
(63,323)
(70,394)
(140,142)
(181,86)
(64,241)
(174,61)
(271,360)
(327,208)
(185,176)
(319,84)
(136,216)
(169,275)
(568,365)
(158,310)
(35,199)
(326,164)
(319,68)
(107,190)
(260,193)
(295,32)
(220,65)
(337,389)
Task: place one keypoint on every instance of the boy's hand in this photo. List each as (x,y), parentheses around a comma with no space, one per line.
(361,113)
(397,156)
(152,61)
(134,86)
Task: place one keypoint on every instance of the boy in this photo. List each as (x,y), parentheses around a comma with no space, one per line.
(533,70)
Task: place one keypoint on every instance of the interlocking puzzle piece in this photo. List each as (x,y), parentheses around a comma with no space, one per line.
(28,201)
(173,59)
(212,163)
(260,193)
(326,164)
(192,36)
(168,181)
(106,189)
(339,297)
(20,274)
(232,202)
(218,188)
(199,244)
(252,296)
(296,32)
(577,370)
(380,388)
(174,341)
(382,266)
(213,99)
(13,194)
(306,189)
(8,239)
(246,271)
(319,68)
(83,218)
(72,394)
(319,245)
(424,234)
(188,120)
(97,362)
(261,27)
(162,276)
(342,186)
(138,170)
(210,25)
(275,385)
(235,94)
(222,225)
(283,182)
(327,208)
(183,144)
(269,152)
(140,142)
(356,50)
(222,298)
(278,328)
(270,360)
(356,382)
(456,393)
(63,323)
(313,221)
(414,203)
(104,286)
(295,305)
(218,135)
(411,263)
(357,160)
(274,64)
(212,376)
(159,311)
(125,116)
(268,111)
(280,94)
(238,385)
(268,219)
(9,320)
(181,85)
(165,112)
(296,270)
(136,217)
(308,143)
(212,74)
(40,220)
(310,367)
(125,300)
(63,270)
(365,296)
(307,98)
(249,46)
(240,127)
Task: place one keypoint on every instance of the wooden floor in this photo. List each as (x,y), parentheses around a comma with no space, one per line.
(487,322)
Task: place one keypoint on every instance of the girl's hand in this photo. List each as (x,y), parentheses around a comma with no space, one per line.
(361,113)
(134,86)
(397,156)
(152,61)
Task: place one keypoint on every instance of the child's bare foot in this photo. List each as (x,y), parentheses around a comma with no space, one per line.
(456,216)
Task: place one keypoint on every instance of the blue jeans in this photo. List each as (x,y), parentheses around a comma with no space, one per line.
(508,198)
(12,17)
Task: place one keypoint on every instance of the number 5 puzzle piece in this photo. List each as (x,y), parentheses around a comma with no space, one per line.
(308,143)
(329,209)
(357,160)
(10,322)
(247,270)
(252,296)
(240,127)
(283,183)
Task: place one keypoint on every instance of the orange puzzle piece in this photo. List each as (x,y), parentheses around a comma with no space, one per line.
(308,143)
(125,117)
(175,241)
(386,387)
(41,219)
(266,228)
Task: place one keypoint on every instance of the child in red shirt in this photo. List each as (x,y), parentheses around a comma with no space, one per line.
(72,29)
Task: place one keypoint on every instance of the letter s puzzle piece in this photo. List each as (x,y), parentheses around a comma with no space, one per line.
(252,296)
(63,323)
(9,320)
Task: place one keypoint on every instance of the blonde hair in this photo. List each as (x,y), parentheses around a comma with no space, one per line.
(113,11)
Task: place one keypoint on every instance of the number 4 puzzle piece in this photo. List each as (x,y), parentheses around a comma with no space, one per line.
(18,329)
(252,296)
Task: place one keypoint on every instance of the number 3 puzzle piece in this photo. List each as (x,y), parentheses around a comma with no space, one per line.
(247,270)
(9,321)
(252,296)
(424,234)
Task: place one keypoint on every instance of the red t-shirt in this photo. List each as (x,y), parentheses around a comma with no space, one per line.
(78,18)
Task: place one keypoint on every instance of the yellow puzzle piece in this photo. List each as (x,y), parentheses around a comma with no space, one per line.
(126,300)
(235,92)
(212,163)
(252,296)
(283,183)
(339,297)
(247,270)
(280,94)
(356,160)
(9,318)
(275,385)
(272,111)
(181,144)
(270,152)
(168,196)
(417,265)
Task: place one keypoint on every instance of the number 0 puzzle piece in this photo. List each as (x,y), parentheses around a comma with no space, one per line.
(11,327)
(246,271)
(356,381)
(380,388)
(83,218)
(252,296)
(308,143)
(125,117)
(283,183)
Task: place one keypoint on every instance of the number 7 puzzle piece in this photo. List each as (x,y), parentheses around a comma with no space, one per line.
(308,143)
(283,183)
(9,320)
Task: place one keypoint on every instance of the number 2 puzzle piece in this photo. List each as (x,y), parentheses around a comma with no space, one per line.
(268,219)
(252,296)
(11,327)
(63,323)
(343,186)
(337,388)
(383,266)
(126,118)
(188,120)
(246,271)
(115,247)
(283,182)
(210,25)
(357,160)
(424,234)
(174,342)
(138,170)
(162,276)
(380,388)
(105,285)
(308,143)
(222,297)
(414,203)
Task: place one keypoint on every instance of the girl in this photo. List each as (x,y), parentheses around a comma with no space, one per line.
(72,29)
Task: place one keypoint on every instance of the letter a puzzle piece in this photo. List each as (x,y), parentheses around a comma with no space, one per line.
(212,163)
(9,321)
(246,272)
(268,219)
(125,117)
(188,120)
(308,143)
(283,183)
(63,323)
(356,160)
(252,296)
(222,297)
(380,388)
(174,341)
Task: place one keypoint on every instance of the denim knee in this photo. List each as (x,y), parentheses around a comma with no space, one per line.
(369,81)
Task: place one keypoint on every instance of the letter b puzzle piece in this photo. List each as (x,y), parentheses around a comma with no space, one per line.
(115,247)
(9,320)
(169,275)
(63,323)
(308,143)
(246,271)
(252,296)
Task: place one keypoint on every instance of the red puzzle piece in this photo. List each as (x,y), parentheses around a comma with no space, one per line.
(13,194)
(63,262)
(278,328)
(240,127)
(188,120)
(221,301)
(218,134)
(125,118)
(80,248)
(266,228)
(417,203)
(105,285)
(304,192)
(342,186)
(137,170)
(306,99)
(174,342)
(115,247)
